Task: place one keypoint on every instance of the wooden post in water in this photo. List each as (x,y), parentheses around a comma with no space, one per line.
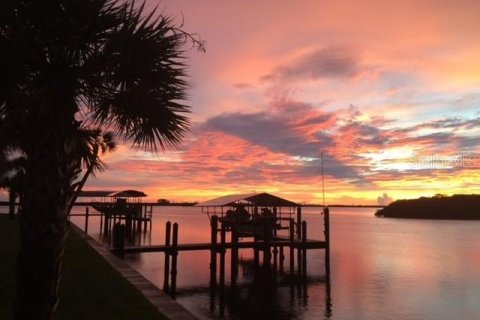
(87,211)
(292,252)
(150,217)
(326,222)
(139,225)
(267,235)
(282,258)
(222,256)
(110,218)
(234,254)
(128,223)
(256,254)
(275,214)
(119,239)
(133,226)
(174,259)
(304,249)
(275,259)
(101,223)
(299,223)
(213,252)
(299,237)
(166,272)
(105,225)
(144,216)
(122,240)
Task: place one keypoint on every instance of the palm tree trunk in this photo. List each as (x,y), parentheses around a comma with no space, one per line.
(51,170)
(84,178)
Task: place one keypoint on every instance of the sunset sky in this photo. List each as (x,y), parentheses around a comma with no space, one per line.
(388,91)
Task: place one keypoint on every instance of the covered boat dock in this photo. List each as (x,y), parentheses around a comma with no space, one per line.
(261,222)
(118,209)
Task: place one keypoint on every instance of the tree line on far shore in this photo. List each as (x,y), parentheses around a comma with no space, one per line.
(459,206)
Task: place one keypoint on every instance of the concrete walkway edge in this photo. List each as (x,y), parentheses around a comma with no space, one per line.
(166,305)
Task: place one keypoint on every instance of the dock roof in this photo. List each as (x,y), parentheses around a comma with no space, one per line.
(114,194)
(128,194)
(95,193)
(254,199)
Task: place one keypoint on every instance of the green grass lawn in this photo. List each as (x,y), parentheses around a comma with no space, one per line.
(90,289)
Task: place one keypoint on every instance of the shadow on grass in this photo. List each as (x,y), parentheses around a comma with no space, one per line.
(90,289)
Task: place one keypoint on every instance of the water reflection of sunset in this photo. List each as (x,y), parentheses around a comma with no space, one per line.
(387,268)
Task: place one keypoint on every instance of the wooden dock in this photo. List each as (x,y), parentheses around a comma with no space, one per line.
(135,220)
(269,243)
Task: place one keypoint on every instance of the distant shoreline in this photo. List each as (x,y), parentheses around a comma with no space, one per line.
(190,204)
(456,207)
(344,205)
(155,204)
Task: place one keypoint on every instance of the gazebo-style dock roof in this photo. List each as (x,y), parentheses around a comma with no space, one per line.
(251,199)
(243,221)
(112,194)
(108,197)
(117,207)
(252,202)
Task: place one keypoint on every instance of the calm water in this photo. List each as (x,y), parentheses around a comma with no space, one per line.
(381,269)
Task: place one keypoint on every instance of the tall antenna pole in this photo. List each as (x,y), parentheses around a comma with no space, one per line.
(323,180)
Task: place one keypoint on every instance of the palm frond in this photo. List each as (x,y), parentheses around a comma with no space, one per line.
(144,81)
(90,143)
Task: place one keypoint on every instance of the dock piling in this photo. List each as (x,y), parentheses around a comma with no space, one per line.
(267,235)
(292,252)
(119,239)
(87,213)
(326,222)
(222,256)
(174,259)
(299,223)
(105,225)
(304,250)
(275,259)
(213,252)
(272,245)
(281,259)
(166,275)
(234,254)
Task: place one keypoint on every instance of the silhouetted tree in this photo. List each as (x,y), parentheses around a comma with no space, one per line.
(91,144)
(66,65)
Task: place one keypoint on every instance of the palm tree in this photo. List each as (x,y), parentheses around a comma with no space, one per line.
(93,143)
(71,64)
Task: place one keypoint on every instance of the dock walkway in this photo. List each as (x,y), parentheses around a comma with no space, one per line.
(278,242)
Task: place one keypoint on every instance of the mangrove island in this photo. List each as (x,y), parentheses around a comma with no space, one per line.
(459,206)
